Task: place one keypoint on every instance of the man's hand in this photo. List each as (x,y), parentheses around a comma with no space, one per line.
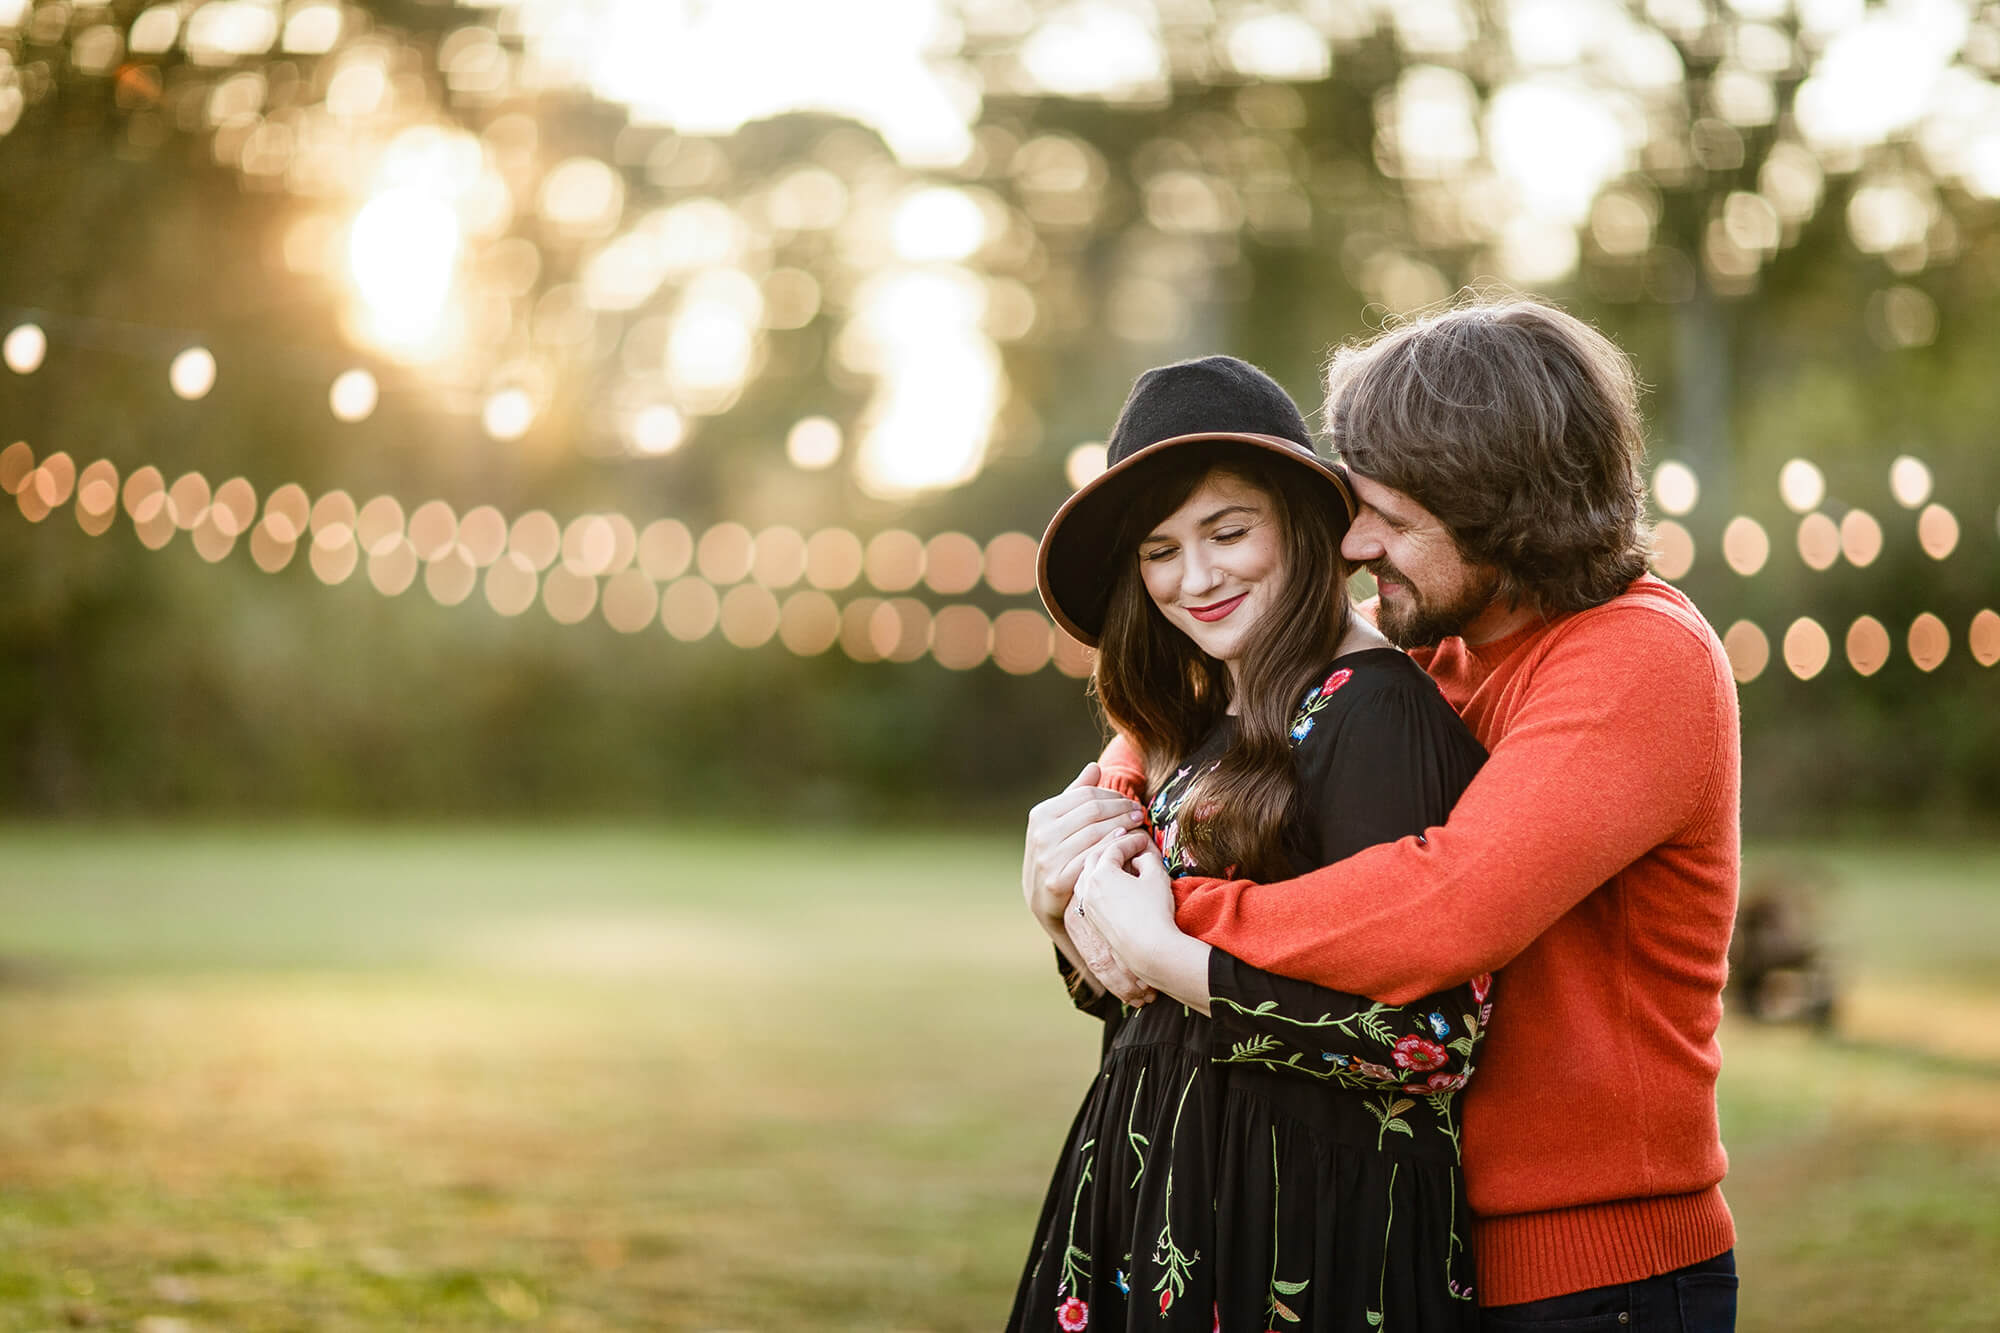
(1061,831)
(1124,896)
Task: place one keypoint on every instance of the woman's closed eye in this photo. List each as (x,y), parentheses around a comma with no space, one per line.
(1154,554)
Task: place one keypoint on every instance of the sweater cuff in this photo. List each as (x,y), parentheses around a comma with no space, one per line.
(1533,1256)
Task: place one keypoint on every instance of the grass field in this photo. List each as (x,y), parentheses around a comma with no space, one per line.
(759,1078)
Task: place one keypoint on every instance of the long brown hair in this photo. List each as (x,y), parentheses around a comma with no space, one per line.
(1518,426)
(1167,695)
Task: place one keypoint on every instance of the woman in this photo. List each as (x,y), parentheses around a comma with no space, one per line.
(1257,1153)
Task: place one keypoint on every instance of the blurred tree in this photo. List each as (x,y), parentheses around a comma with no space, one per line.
(575,293)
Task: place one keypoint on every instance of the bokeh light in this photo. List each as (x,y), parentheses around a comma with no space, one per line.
(689,608)
(1983,639)
(1819,541)
(511,584)
(725,553)
(1929,642)
(536,538)
(1937,531)
(17,460)
(748,615)
(833,559)
(1860,537)
(353,396)
(808,623)
(568,597)
(1806,648)
(1909,481)
(451,576)
(961,637)
(666,548)
(24,348)
(780,557)
(1801,485)
(630,601)
(1010,564)
(482,534)
(894,560)
(392,565)
(658,429)
(1673,550)
(1868,645)
(813,443)
(1022,641)
(1675,487)
(508,414)
(1749,651)
(192,373)
(1084,463)
(952,563)
(1745,545)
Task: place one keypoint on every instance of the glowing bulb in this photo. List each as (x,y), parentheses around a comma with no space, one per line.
(1676,487)
(192,374)
(353,396)
(656,430)
(402,250)
(1909,481)
(1802,485)
(1085,462)
(24,349)
(813,443)
(508,414)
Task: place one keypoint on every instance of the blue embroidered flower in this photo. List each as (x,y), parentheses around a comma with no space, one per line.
(1439,1027)
(1301,728)
(1119,1280)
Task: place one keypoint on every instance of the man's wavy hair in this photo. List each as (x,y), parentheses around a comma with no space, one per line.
(1517,425)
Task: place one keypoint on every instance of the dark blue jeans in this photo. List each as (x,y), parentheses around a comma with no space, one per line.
(1700,1298)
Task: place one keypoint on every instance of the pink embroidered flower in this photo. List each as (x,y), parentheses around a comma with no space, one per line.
(1482,986)
(1376,1072)
(1218,1319)
(1166,1299)
(1485,1014)
(1072,1316)
(1444,1083)
(1419,1053)
(1334,682)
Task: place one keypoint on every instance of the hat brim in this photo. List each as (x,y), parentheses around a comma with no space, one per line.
(1072,565)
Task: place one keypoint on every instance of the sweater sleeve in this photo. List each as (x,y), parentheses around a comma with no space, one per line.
(1614,746)
(1123,769)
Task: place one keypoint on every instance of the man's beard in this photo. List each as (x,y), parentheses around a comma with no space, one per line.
(1414,623)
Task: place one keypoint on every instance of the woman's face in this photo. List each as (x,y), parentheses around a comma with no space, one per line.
(1216,565)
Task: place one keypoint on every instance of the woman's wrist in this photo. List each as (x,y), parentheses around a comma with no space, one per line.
(1176,965)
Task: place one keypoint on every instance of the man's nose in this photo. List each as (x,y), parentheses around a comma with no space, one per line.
(1363,541)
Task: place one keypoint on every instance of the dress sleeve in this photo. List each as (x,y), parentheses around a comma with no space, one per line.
(1387,762)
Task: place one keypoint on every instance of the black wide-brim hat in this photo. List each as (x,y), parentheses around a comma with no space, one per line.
(1215,402)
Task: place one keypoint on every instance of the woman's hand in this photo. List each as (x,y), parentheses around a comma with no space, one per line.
(1061,831)
(1124,893)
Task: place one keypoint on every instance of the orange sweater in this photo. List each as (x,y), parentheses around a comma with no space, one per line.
(1595,856)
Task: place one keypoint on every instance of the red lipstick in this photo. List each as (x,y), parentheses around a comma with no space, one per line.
(1217,610)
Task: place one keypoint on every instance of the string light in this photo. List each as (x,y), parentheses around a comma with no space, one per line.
(1801,485)
(601,562)
(353,396)
(1909,481)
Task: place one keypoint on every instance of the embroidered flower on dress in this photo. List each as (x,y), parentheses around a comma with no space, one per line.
(1420,1053)
(1482,986)
(1302,728)
(1439,1028)
(1072,1316)
(1166,1299)
(1444,1083)
(1334,682)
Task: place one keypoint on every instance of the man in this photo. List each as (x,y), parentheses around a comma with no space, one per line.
(1495,451)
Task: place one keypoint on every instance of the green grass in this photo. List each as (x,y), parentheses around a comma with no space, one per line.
(757,1078)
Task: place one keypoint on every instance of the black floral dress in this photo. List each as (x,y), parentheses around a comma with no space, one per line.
(1292,1162)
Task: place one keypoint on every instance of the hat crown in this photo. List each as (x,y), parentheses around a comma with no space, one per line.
(1210,394)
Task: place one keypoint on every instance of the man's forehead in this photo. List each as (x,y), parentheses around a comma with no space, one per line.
(1386,499)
